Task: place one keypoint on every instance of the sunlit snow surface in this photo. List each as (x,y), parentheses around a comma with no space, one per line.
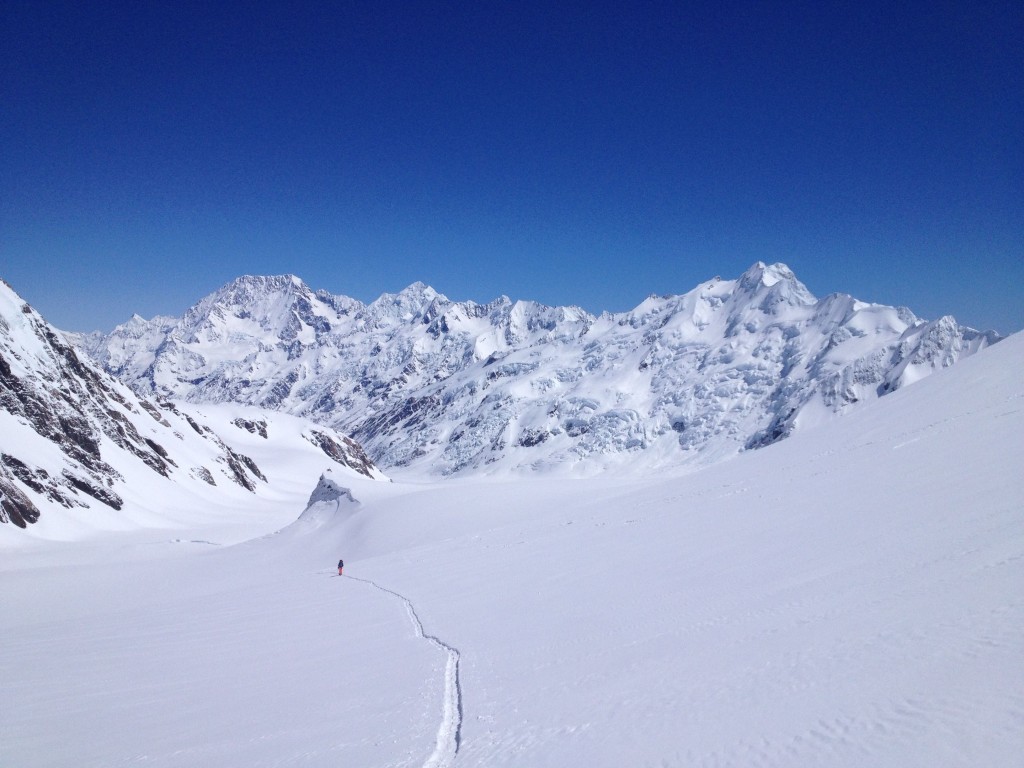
(849,597)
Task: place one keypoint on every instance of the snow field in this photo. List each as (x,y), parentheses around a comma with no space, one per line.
(214,659)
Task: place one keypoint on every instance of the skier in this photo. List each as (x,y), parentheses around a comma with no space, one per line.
(341,564)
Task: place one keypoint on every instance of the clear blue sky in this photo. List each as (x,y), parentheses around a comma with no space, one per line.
(571,153)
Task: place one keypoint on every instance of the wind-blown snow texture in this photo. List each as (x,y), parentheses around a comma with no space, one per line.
(78,443)
(847,597)
(450,387)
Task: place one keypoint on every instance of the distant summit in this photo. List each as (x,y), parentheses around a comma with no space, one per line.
(768,286)
(453,387)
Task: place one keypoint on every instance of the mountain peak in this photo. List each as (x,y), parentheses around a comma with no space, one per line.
(774,284)
(247,285)
(759,274)
(413,301)
(419,290)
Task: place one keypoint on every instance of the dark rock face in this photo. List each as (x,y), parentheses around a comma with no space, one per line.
(532,437)
(109,498)
(40,481)
(53,393)
(349,454)
(255,427)
(240,466)
(15,507)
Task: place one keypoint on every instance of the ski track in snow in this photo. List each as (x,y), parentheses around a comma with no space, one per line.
(449,735)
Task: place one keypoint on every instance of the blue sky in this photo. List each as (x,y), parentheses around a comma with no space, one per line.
(589,153)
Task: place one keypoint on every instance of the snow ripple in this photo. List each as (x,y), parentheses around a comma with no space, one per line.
(449,734)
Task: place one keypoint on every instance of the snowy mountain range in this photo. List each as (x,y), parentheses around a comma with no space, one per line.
(75,438)
(449,387)
(849,596)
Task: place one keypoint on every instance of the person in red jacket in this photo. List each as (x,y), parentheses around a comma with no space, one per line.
(341,565)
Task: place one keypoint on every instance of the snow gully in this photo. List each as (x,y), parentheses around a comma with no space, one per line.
(449,734)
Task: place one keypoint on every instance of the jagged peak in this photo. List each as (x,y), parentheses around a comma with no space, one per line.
(417,286)
(501,303)
(247,294)
(761,274)
(418,291)
(421,292)
(776,281)
(412,302)
(328,489)
(246,285)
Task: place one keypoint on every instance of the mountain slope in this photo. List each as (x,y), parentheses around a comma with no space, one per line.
(847,597)
(76,440)
(454,387)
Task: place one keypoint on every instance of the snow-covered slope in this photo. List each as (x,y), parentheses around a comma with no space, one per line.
(847,597)
(456,387)
(77,443)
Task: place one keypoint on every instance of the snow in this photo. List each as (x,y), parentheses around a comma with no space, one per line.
(466,389)
(847,597)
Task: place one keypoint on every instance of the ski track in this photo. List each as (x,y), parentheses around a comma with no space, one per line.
(449,734)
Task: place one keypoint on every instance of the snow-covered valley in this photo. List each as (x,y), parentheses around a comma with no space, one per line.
(849,596)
